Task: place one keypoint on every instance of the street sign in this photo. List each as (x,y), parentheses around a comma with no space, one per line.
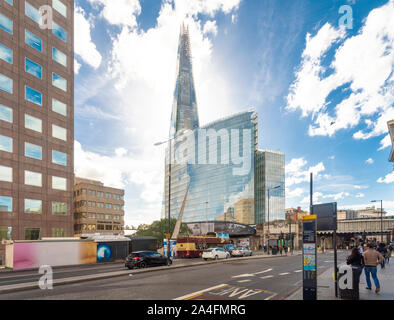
(168,236)
(309,258)
(326,216)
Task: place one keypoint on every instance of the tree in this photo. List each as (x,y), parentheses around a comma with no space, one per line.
(159,229)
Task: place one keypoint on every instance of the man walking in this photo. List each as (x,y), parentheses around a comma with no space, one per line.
(371,259)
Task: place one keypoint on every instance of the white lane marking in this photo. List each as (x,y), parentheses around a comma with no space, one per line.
(298,271)
(266,277)
(275,294)
(265,271)
(244,275)
(242,281)
(202,291)
(284,273)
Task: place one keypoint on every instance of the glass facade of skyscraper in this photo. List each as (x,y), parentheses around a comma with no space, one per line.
(270,186)
(219,175)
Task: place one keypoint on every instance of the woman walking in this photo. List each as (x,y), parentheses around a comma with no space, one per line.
(356,260)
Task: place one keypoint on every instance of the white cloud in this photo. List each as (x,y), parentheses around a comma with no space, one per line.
(360,195)
(83,45)
(296,172)
(77,66)
(297,192)
(385,142)
(369,161)
(119,12)
(387,179)
(363,62)
(210,27)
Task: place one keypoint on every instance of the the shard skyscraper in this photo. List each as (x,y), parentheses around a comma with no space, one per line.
(184,110)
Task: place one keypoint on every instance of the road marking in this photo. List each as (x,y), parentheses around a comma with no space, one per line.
(284,273)
(244,275)
(275,294)
(298,271)
(241,281)
(198,293)
(265,271)
(266,277)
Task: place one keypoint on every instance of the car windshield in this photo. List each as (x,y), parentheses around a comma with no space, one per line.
(208,250)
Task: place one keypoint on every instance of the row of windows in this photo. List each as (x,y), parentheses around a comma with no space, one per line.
(32,123)
(34,14)
(31,233)
(32,95)
(33,179)
(33,151)
(83,203)
(102,216)
(92,227)
(100,194)
(33,206)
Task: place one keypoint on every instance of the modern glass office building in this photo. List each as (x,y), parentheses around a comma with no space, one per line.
(391,129)
(213,167)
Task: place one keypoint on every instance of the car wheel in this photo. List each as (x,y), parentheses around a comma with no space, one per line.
(142,265)
(130,267)
(216,257)
(205,259)
(169,262)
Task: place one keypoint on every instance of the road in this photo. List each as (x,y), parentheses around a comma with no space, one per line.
(255,279)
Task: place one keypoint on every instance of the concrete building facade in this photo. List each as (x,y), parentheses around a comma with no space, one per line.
(36,119)
(97,209)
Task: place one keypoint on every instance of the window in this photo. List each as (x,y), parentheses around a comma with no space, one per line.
(59,158)
(59,107)
(59,32)
(59,132)
(108,217)
(5,233)
(33,41)
(33,151)
(33,123)
(60,7)
(5,204)
(92,193)
(108,205)
(33,68)
(59,208)
(10,2)
(59,183)
(59,56)
(33,178)
(6,54)
(58,232)
(6,83)
(100,194)
(109,195)
(6,24)
(5,174)
(32,233)
(5,113)
(108,227)
(33,13)
(59,82)
(100,204)
(33,95)
(5,144)
(33,206)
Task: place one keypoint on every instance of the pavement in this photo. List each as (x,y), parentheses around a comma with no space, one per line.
(326,286)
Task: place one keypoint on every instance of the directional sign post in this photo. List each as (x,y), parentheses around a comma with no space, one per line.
(309,258)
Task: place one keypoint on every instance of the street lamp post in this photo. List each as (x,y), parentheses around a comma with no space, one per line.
(381,218)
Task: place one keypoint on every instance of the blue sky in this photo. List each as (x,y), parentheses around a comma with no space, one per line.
(323,91)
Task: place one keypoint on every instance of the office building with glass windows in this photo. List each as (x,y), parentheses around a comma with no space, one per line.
(97,209)
(36,119)
(214,172)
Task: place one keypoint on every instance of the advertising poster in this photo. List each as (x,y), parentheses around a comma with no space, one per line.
(309,257)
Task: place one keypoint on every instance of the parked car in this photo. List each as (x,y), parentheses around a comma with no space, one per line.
(229,248)
(215,253)
(143,259)
(241,252)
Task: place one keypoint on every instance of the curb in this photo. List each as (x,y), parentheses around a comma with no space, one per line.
(101,276)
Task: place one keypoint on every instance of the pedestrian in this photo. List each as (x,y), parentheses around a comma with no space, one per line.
(388,255)
(280,249)
(355,259)
(371,259)
(361,249)
(382,250)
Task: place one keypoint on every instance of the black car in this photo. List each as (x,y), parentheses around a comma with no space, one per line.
(143,259)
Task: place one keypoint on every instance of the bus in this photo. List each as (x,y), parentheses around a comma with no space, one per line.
(193,246)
